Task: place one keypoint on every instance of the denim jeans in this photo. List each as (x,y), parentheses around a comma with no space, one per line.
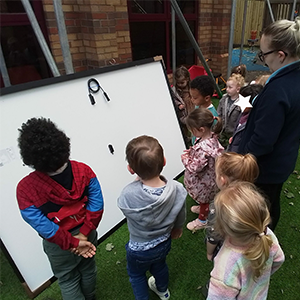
(76,274)
(153,260)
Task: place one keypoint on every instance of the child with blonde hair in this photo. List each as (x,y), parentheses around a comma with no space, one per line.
(251,252)
(229,167)
(199,163)
(227,109)
(262,79)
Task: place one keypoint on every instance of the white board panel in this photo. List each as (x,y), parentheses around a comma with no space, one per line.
(140,104)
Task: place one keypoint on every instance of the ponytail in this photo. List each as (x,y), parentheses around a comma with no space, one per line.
(237,167)
(242,214)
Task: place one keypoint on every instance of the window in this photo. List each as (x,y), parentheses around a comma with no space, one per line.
(151,33)
(23,56)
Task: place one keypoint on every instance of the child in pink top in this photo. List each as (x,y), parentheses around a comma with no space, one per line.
(199,163)
(251,252)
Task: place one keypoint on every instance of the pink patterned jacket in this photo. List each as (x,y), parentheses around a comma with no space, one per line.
(199,163)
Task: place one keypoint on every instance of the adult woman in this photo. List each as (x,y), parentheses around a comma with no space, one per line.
(272,132)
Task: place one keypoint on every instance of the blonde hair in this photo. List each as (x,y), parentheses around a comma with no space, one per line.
(241,69)
(285,35)
(237,167)
(238,78)
(262,79)
(202,117)
(242,214)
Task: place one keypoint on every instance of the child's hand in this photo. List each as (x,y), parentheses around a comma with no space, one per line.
(230,140)
(185,154)
(85,249)
(176,233)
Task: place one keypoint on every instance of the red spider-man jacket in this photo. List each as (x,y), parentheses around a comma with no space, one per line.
(53,210)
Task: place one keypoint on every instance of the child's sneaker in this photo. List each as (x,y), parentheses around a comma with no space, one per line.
(195,209)
(196,225)
(152,286)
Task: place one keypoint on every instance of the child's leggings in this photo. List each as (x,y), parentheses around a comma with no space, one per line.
(204,209)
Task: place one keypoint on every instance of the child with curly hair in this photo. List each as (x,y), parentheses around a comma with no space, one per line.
(62,200)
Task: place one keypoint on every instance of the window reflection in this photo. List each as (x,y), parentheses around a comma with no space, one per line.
(22,54)
(147,39)
(147,7)
(185,53)
(11,6)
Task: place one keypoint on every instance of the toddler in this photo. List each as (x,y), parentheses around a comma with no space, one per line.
(229,167)
(240,69)
(62,200)
(181,90)
(202,89)
(251,90)
(251,252)
(227,109)
(155,212)
(199,163)
(182,98)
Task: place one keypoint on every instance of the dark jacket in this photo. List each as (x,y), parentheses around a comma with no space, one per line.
(238,134)
(272,131)
(229,116)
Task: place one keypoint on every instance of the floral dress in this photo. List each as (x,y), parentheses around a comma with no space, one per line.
(199,163)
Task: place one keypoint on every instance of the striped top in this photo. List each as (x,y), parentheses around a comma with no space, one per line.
(231,277)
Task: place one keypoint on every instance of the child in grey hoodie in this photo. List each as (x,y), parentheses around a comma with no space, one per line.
(155,212)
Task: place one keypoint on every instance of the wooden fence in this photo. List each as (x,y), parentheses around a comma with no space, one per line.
(281,10)
(258,16)
(254,19)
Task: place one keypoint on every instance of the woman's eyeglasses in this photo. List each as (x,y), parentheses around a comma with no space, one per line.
(262,55)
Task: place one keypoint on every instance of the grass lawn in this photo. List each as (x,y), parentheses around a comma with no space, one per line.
(189,268)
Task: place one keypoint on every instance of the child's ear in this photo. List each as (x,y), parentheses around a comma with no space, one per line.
(224,180)
(130,170)
(165,161)
(207,98)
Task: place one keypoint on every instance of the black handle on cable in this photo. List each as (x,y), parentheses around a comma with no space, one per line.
(94,87)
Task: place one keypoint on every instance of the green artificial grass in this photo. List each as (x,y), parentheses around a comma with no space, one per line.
(188,266)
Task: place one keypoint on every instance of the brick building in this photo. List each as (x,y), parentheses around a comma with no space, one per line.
(103,32)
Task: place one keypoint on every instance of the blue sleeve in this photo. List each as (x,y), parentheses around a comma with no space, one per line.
(95,197)
(37,220)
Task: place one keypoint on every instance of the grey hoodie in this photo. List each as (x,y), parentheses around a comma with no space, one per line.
(150,216)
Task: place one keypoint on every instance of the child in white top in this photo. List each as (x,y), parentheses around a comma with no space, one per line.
(251,252)
(199,163)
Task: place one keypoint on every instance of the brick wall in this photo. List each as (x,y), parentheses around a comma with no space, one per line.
(98,32)
(213,33)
